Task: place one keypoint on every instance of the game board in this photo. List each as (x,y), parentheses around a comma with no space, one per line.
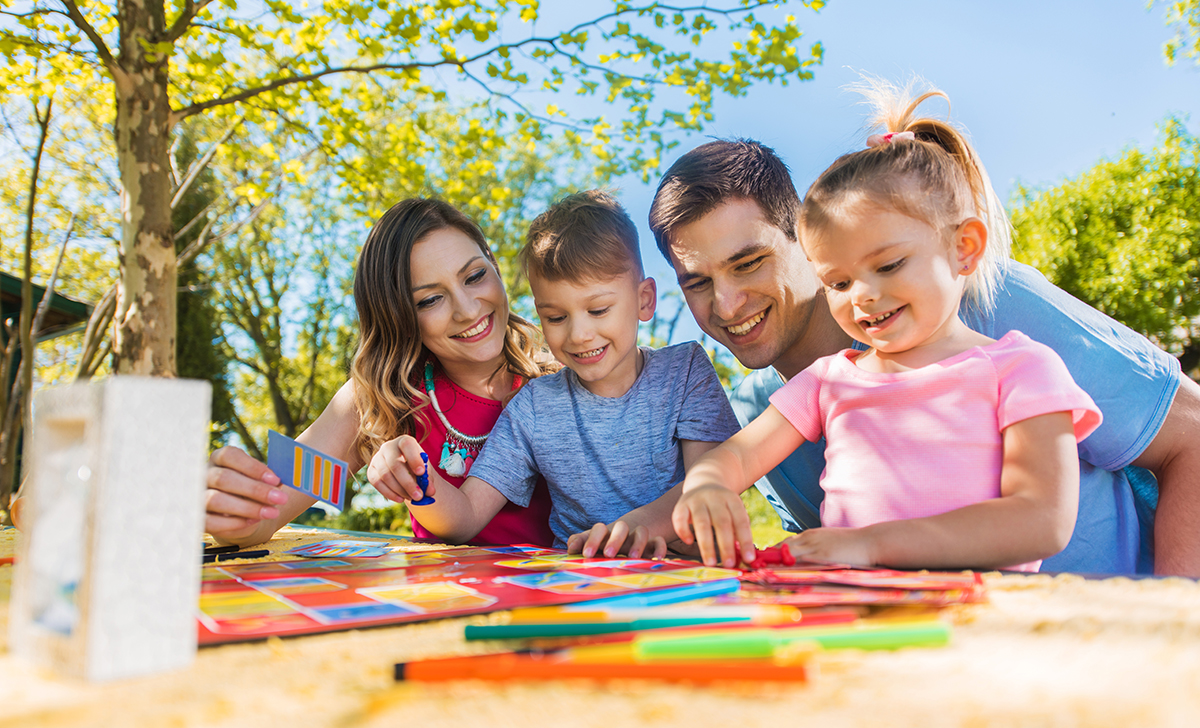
(255,601)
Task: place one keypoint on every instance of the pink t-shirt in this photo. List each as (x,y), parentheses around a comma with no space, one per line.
(473,415)
(927,441)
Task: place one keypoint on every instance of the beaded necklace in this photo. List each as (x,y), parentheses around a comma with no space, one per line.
(459,450)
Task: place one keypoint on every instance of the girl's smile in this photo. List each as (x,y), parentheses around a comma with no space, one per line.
(894,283)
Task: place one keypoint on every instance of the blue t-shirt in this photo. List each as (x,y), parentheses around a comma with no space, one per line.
(1130,379)
(605,456)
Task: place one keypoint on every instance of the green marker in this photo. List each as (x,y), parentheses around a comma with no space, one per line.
(750,644)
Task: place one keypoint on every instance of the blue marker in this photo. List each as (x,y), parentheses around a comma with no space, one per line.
(423,483)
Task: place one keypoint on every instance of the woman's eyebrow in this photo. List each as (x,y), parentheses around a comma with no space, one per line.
(462,270)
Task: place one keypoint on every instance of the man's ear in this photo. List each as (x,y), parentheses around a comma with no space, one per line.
(647,299)
(970,242)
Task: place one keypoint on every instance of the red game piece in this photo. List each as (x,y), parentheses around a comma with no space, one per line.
(774,555)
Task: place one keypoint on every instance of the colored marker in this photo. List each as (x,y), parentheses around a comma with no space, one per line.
(742,644)
(423,483)
(209,558)
(555,666)
(757,613)
(220,549)
(670,595)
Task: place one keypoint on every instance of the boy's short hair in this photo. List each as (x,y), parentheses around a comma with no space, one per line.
(584,236)
(723,171)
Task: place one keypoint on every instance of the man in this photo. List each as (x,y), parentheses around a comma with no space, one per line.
(725,216)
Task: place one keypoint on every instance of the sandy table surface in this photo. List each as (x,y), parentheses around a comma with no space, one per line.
(1045,651)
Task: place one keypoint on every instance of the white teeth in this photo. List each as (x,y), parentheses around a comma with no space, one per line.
(878,319)
(589,354)
(746,326)
(476,330)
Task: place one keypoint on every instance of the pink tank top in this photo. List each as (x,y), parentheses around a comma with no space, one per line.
(474,415)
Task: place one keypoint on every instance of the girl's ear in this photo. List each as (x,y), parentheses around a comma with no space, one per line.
(647,299)
(970,241)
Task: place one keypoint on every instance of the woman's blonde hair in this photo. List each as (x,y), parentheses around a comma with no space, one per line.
(388,365)
(936,177)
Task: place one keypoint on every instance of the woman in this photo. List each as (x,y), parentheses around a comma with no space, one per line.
(439,354)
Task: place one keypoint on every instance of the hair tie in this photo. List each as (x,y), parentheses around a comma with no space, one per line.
(876,140)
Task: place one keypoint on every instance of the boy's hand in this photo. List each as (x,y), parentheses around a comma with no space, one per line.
(715,518)
(854,546)
(395,467)
(617,539)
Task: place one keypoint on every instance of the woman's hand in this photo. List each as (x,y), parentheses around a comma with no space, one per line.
(242,493)
(394,469)
(617,538)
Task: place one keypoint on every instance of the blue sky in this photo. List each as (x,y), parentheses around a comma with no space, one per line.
(1046,89)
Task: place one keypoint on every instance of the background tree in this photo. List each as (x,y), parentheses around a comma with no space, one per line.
(198,329)
(1125,237)
(281,66)
(1184,17)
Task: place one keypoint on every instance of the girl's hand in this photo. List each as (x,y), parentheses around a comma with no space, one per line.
(394,469)
(617,539)
(854,546)
(241,493)
(715,519)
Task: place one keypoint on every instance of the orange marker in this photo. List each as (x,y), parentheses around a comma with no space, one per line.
(558,666)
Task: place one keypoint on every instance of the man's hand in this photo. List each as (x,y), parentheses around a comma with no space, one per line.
(715,519)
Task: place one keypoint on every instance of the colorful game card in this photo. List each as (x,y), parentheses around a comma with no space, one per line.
(309,471)
(257,600)
(341,549)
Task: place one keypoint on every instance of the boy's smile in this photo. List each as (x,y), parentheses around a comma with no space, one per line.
(592,326)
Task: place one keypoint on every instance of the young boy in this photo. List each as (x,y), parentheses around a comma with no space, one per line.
(618,426)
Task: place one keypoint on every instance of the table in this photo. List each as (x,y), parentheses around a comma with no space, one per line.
(1045,651)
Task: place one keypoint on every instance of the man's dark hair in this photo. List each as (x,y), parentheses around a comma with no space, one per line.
(718,172)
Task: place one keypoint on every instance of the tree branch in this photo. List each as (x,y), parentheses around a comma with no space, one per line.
(106,56)
(191,251)
(244,433)
(44,306)
(199,165)
(94,335)
(181,114)
(180,26)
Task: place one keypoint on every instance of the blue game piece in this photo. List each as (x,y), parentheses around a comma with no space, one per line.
(423,482)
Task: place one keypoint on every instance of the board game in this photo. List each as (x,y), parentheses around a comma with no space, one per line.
(253,601)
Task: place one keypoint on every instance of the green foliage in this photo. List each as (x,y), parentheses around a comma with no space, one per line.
(1184,17)
(1125,237)
(391,518)
(196,349)
(322,115)
(764,521)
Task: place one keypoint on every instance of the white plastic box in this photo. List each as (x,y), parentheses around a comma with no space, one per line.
(107,577)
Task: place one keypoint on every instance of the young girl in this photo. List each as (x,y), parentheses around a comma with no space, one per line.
(439,355)
(944,448)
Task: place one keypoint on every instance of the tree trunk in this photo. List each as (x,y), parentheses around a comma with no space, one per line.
(145,317)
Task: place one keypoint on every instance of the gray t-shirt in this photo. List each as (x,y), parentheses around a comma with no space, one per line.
(605,456)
